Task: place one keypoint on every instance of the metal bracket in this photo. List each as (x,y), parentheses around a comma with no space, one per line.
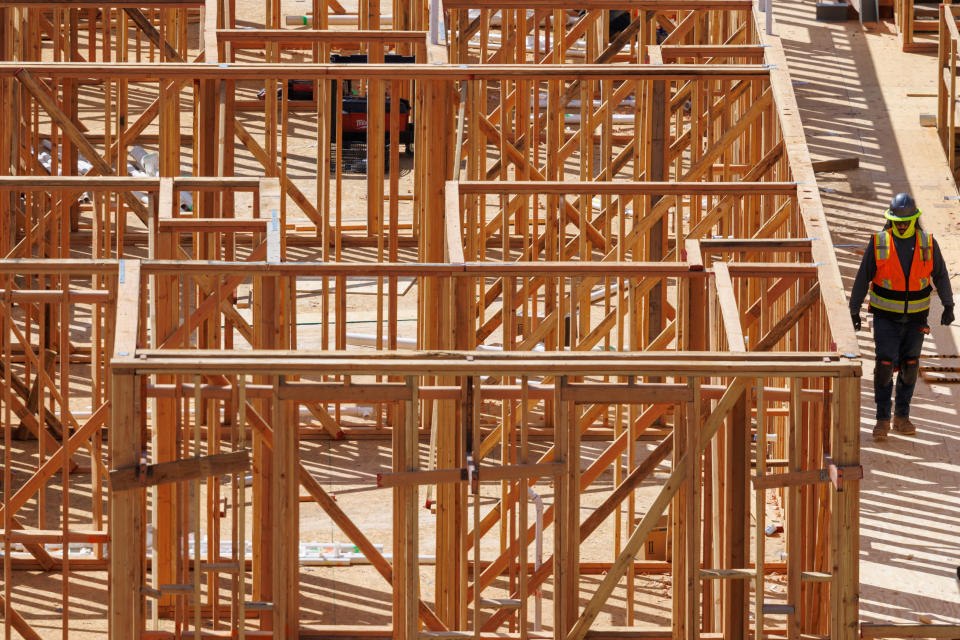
(850,472)
(273,238)
(833,473)
(142,469)
(472,475)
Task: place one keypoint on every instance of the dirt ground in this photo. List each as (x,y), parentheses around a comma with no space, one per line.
(357,594)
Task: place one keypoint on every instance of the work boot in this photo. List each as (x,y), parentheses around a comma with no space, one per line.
(903,425)
(881,430)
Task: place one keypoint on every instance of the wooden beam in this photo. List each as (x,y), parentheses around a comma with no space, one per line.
(54,462)
(728,307)
(789,320)
(647,523)
(144,24)
(18,622)
(54,536)
(291,189)
(646,393)
(181,470)
(286,523)
(126,549)
(845,513)
(186,72)
(111,4)
(341,519)
(593,5)
(70,129)
(782,364)
(908,630)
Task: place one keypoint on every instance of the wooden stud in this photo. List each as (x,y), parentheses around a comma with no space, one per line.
(733,113)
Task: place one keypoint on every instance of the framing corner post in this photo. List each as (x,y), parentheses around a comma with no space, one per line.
(406,572)
(737,535)
(657,170)
(8,145)
(411,579)
(439,168)
(566,515)
(693,515)
(677,532)
(207,151)
(845,523)
(572,480)
(126,525)
(286,520)
(127,531)
(451,529)
(268,319)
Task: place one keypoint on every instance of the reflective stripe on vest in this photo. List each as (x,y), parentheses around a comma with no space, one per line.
(926,253)
(897,306)
(926,246)
(881,246)
(902,292)
(881,243)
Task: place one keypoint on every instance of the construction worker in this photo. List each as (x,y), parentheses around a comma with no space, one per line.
(899,265)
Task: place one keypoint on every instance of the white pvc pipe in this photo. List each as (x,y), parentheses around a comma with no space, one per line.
(495,18)
(575,104)
(600,294)
(618,118)
(359,411)
(370,340)
(542,42)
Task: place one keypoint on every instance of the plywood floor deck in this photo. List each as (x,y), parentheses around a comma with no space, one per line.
(852,85)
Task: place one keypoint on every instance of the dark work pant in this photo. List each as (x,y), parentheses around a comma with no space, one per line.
(896,343)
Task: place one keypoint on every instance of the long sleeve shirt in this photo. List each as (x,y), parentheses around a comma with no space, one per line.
(905,248)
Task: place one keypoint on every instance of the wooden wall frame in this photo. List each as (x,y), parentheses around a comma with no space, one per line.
(546,180)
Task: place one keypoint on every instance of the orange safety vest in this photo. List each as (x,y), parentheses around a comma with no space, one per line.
(890,291)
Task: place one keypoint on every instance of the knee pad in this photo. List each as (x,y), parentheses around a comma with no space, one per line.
(909,372)
(883,373)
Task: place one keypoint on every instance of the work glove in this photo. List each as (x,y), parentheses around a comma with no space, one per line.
(857,324)
(947,317)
